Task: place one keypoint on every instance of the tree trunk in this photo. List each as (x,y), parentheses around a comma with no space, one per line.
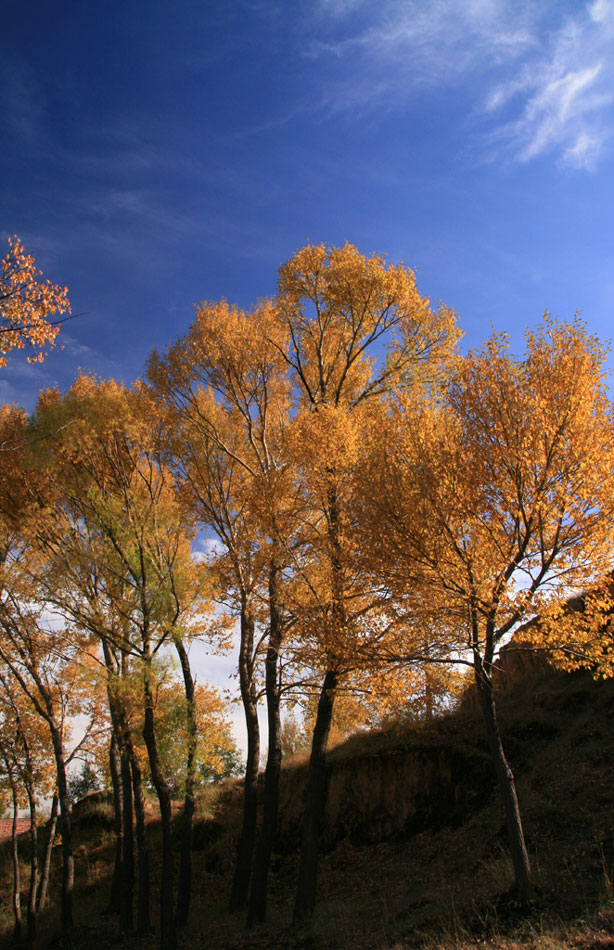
(43,887)
(185,865)
(168,937)
(258,896)
(143,920)
(114,905)
(315,801)
(27,777)
(428,696)
(507,786)
(16,874)
(33,865)
(132,779)
(68,864)
(115,752)
(126,907)
(245,850)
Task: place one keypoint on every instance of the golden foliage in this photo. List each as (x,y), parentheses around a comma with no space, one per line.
(578,633)
(26,303)
(334,305)
(485,501)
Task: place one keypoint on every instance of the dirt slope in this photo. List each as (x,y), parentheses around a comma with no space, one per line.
(414,842)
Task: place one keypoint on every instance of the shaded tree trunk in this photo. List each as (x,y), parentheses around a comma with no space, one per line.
(43,887)
(68,864)
(27,777)
(114,905)
(315,801)
(126,908)
(507,785)
(245,850)
(168,937)
(315,795)
(15,861)
(258,896)
(134,825)
(33,886)
(185,865)
(428,696)
(143,919)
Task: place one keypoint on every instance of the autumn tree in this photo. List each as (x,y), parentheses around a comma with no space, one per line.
(48,670)
(24,746)
(10,785)
(29,502)
(68,570)
(80,579)
(114,557)
(33,648)
(121,564)
(491,499)
(337,312)
(26,304)
(226,394)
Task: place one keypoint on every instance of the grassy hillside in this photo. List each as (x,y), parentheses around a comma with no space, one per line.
(414,839)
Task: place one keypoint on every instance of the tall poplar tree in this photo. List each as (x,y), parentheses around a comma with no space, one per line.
(492,499)
(226,394)
(351,328)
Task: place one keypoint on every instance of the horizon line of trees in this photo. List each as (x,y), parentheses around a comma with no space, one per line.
(382,506)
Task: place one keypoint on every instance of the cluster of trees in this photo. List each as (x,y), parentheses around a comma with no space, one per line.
(384,511)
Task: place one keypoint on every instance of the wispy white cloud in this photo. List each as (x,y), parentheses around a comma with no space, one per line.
(538,79)
(397,46)
(563,96)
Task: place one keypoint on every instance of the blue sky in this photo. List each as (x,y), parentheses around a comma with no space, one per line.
(156,154)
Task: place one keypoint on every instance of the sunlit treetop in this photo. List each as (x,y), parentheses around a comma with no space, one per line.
(336,307)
